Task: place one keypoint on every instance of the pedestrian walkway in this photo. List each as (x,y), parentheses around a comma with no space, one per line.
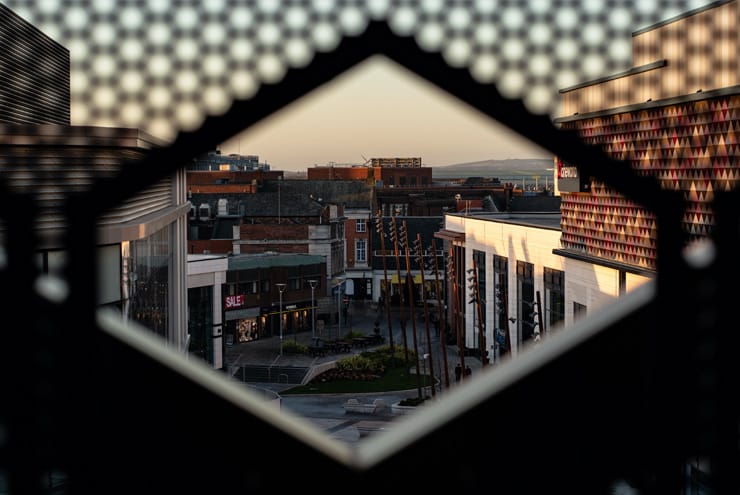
(361,318)
(327,412)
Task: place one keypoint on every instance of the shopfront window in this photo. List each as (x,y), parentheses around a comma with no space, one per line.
(247,330)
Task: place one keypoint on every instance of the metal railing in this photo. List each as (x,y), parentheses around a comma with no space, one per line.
(632,395)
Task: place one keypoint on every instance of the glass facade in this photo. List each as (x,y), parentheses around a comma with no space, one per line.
(146,267)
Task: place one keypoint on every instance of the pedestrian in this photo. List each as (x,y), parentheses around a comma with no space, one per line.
(458,372)
(468,371)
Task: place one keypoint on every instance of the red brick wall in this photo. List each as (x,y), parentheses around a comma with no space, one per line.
(392,176)
(273,232)
(210,177)
(219,246)
(339,173)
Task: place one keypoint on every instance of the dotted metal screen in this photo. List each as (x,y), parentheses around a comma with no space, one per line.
(163,66)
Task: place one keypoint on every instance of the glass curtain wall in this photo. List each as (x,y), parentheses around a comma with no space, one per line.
(146,270)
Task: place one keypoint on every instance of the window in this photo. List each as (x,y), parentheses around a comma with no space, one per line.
(360,251)
(501,317)
(266,285)
(554,298)
(413,180)
(294,283)
(479,257)
(360,225)
(526,306)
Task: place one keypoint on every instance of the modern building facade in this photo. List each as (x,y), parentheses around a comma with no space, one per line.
(526,288)
(140,243)
(673,116)
(34,70)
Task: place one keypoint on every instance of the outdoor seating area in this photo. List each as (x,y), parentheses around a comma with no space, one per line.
(367,340)
(322,347)
(332,346)
(317,350)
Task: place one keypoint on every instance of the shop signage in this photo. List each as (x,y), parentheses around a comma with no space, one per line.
(235,301)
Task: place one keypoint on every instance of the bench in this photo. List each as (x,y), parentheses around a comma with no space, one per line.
(374,407)
(317,350)
(340,346)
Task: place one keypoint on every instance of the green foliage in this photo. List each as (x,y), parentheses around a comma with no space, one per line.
(292,347)
(393,359)
(395,379)
(360,362)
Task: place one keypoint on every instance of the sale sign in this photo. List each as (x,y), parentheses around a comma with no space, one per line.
(234,301)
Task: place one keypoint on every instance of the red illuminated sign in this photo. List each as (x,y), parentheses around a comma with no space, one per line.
(234,301)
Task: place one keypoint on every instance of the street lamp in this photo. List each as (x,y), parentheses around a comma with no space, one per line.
(340,281)
(281,288)
(313,283)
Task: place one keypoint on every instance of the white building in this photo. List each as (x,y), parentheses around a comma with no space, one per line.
(206,275)
(520,272)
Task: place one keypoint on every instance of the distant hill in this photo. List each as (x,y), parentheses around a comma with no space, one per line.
(510,167)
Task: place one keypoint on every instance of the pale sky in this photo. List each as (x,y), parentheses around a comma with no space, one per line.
(379,109)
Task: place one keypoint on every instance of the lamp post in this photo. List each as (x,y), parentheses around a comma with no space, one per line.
(313,283)
(431,372)
(281,288)
(340,281)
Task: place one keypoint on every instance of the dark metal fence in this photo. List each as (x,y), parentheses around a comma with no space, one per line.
(637,401)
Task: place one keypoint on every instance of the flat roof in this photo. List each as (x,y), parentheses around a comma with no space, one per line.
(268,260)
(543,220)
(205,257)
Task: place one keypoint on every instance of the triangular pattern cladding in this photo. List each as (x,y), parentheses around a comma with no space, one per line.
(690,147)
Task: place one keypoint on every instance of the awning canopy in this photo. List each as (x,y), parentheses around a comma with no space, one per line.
(417,279)
(450,235)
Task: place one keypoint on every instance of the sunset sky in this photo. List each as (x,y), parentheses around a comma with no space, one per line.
(379,110)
